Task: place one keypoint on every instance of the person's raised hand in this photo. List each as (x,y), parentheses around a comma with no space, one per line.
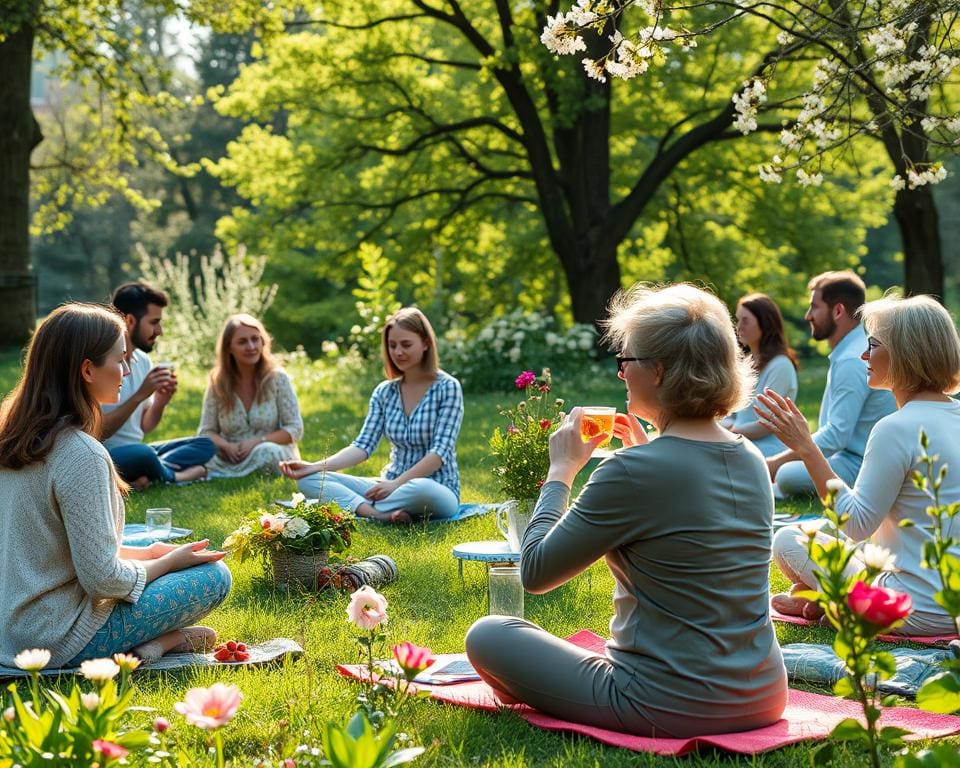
(567,448)
(296,469)
(155,380)
(628,430)
(781,416)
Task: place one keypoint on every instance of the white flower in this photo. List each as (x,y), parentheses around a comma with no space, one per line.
(90,701)
(272,523)
(877,557)
(33,660)
(807,179)
(296,528)
(99,670)
(9,714)
(835,484)
(298,498)
(594,69)
(810,528)
(898,182)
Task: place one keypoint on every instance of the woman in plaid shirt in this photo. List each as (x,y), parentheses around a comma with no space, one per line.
(420,409)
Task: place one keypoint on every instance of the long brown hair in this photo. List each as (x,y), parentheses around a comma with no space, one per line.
(773,338)
(413,320)
(51,395)
(226,375)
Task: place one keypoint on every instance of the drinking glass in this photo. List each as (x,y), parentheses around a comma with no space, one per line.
(505,591)
(594,420)
(159,521)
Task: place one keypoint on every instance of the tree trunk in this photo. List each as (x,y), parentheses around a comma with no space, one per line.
(19,134)
(593,276)
(916,214)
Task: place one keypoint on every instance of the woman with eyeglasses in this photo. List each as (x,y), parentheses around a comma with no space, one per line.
(67,583)
(760,331)
(683,522)
(914,351)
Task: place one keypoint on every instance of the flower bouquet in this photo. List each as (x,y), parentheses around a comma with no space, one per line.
(297,542)
(521,451)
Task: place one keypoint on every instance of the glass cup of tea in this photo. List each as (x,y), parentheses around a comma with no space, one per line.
(596,420)
(159,521)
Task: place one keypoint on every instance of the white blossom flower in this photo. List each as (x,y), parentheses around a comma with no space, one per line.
(769,174)
(9,714)
(595,69)
(877,557)
(90,700)
(835,484)
(33,660)
(808,180)
(898,182)
(296,528)
(810,528)
(559,38)
(298,498)
(99,670)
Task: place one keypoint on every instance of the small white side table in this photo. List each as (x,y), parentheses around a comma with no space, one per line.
(488,552)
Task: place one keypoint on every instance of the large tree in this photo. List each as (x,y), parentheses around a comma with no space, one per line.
(884,70)
(445,125)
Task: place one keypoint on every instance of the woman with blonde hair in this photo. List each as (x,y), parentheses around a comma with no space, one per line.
(683,522)
(419,408)
(67,583)
(250,410)
(913,350)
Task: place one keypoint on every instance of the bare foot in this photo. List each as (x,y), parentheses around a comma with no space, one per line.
(400,517)
(813,611)
(190,473)
(187,640)
(789,605)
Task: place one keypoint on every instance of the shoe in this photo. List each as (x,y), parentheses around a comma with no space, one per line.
(196,639)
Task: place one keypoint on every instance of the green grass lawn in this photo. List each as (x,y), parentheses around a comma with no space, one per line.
(428,604)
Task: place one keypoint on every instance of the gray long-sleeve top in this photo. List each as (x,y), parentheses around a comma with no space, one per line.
(685,529)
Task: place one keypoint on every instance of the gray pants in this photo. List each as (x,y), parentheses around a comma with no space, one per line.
(524,663)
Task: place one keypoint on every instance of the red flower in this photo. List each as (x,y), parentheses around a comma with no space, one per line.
(545,423)
(412,658)
(525,379)
(544,387)
(512,430)
(539,483)
(878,605)
(109,750)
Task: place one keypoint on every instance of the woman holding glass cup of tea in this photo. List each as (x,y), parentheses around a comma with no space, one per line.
(419,408)
(69,584)
(683,522)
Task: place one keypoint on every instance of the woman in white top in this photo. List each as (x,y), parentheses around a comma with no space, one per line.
(760,331)
(67,583)
(250,410)
(914,351)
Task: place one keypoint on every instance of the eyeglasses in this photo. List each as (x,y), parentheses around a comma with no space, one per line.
(873,343)
(622,361)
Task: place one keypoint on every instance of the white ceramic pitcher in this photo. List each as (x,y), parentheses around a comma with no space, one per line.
(513,517)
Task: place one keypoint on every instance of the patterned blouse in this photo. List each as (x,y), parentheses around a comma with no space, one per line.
(433,427)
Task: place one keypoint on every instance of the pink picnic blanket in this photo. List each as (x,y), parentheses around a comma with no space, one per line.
(941,641)
(807,716)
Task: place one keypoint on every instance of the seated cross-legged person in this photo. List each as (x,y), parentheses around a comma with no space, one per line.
(849,408)
(914,351)
(419,408)
(66,583)
(144,395)
(683,522)
(760,330)
(250,410)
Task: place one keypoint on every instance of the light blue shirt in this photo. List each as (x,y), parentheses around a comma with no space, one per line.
(849,408)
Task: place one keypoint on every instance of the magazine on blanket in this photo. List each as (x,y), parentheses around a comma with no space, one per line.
(445,670)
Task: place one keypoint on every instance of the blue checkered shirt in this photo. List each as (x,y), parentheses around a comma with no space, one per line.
(433,427)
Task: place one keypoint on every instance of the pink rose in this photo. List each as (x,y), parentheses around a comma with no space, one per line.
(109,750)
(210,708)
(525,379)
(368,608)
(878,605)
(412,658)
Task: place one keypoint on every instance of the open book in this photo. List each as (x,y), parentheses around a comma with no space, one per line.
(447,669)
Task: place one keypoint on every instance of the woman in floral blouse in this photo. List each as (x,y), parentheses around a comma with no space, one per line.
(420,409)
(250,410)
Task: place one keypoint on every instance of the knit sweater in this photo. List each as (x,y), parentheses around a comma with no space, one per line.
(61,522)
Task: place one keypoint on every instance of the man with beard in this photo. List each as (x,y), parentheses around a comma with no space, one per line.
(849,408)
(144,394)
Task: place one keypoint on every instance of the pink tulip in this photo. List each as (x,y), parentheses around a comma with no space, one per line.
(525,379)
(368,608)
(109,750)
(210,708)
(161,724)
(412,658)
(878,605)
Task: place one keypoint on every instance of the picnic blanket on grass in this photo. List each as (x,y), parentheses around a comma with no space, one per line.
(138,535)
(466,510)
(808,716)
(260,653)
(938,641)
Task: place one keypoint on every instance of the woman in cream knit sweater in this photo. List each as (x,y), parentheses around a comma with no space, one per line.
(66,582)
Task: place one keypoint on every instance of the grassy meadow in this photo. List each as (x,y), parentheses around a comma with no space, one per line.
(286,705)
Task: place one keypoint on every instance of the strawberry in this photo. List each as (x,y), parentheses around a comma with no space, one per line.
(241,656)
(231,646)
(241,646)
(223,655)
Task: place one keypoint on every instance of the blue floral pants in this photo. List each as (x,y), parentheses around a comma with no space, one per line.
(173,601)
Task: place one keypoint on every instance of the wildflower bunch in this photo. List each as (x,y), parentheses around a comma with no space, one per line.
(521,450)
(304,529)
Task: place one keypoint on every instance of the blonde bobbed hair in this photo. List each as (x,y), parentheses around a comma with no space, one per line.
(921,339)
(690,333)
